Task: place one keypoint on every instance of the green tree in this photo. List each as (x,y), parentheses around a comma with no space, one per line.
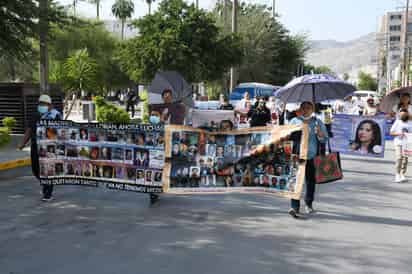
(101,46)
(80,70)
(366,82)
(179,37)
(271,54)
(308,69)
(123,10)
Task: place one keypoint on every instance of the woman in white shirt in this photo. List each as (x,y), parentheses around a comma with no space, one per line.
(404,103)
(399,129)
(370,109)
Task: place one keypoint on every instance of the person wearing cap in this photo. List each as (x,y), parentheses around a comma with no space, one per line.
(370,109)
(317,135)
(45,111)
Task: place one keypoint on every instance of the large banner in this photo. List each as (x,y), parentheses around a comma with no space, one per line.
(265,159)
(359,135)
(128,157)
(180,160)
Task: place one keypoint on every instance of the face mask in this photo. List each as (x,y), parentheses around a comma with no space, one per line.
(405,118)
(42,109)
(154,119)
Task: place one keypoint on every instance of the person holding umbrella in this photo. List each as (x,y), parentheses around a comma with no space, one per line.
(404,103)
(317,134)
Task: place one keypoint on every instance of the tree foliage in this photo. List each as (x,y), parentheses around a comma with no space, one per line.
(179,37)
(101,46)
(271,54)
(123,9)
(109,113)
(367,82)
(80,70)
(19,21)
(309,69)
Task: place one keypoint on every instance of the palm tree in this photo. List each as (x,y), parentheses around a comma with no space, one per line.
(97,3)
(123,9)
(149,3)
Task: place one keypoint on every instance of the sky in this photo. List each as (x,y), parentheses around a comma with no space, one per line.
(340,20)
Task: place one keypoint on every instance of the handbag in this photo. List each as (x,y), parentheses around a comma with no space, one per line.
(327,167)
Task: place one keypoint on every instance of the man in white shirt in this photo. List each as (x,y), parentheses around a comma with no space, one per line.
(399,129)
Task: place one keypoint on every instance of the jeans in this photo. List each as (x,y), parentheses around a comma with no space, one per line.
(130,107)
(310,186)
(401,161)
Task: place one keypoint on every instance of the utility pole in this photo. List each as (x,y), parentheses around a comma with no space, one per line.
(405,64)
(234,30)
(225,15)
(43,33)
(197,4)
(274,8)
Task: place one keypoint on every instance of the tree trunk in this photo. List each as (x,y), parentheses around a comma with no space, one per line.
(122,29)
(98,9)
(43,33)
(72,105)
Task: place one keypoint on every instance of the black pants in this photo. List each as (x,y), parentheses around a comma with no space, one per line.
(35,167)
(310,186)
(130,107)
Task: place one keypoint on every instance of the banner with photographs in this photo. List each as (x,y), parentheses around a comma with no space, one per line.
(211,119)
(128,157)
(265,159)
(359,135)
(407,149)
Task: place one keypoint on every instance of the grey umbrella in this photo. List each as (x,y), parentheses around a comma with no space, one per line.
(315,88)
(182,92)
(392,98)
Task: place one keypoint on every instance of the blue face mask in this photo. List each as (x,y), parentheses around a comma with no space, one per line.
(42,109)
(154,119)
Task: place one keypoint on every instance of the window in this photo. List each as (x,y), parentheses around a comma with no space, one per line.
(396,17)
(396,57)
(394,48)
(396,27)
(395,39)
(409,27)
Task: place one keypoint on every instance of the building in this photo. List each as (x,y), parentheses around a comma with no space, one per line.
(391,43)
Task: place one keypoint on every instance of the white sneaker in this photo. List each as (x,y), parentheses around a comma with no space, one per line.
(397,178)
(402,178)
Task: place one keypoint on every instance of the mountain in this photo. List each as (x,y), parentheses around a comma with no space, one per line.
(341,57)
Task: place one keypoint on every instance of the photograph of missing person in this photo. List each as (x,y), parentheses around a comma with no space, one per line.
(71,151)
(111,136)
(140,139)
(108,172)
(84,152)
(130,174)
(50,169)
(58,169)
(140,177)
(51,151)
(62,134)
(211,150)
(150,140)
(160,139)
(230,140)
(41,133)
(94,153)
(220,150)
(93,135)
(73,134)
(158,178)
(77,169)
(43,169)
(69,169)
(101,136)
(194,172)
(156,158)
(367,139)
(118,154)
(60,150)
(119,172)
(128,155)
(51,134)
(87,169)
(141,157)
(105,153)
(84,135)
(97,171)
(149,177)
(42,151)
(256,139)
(220,140)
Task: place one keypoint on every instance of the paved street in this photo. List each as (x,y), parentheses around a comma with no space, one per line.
(364,225)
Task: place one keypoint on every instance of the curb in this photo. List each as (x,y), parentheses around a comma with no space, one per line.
(15,164)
